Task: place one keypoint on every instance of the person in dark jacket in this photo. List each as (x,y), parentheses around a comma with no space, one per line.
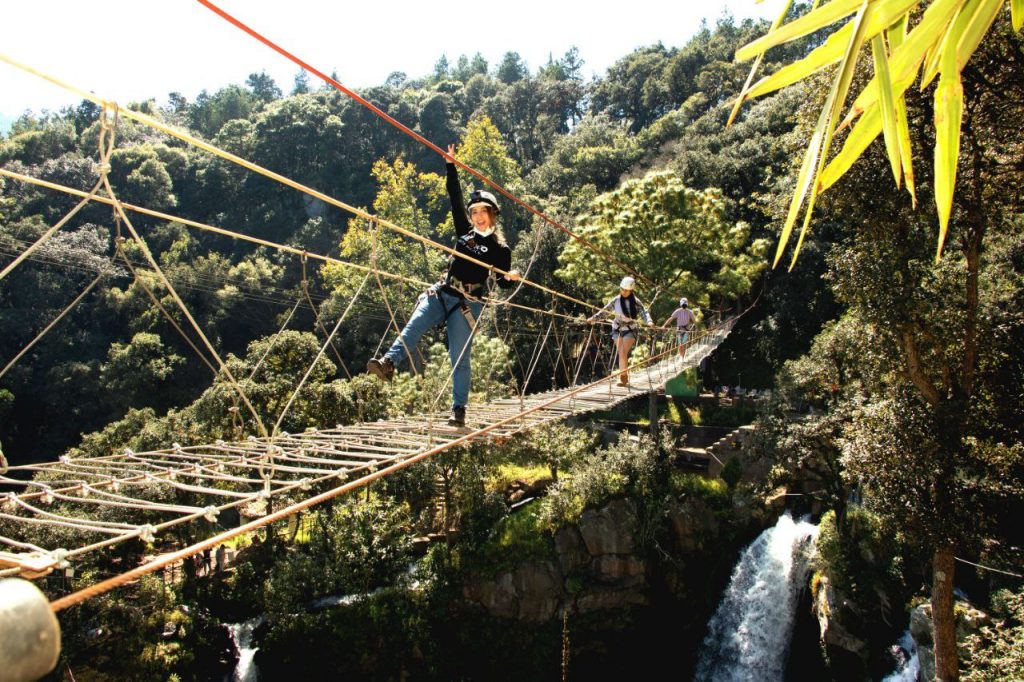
(457,300)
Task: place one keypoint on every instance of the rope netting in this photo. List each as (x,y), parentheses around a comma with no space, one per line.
(89,503)
(60,511)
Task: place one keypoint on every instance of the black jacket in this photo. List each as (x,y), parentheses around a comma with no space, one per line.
(485,249)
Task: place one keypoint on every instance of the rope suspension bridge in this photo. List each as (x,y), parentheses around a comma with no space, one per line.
(88,504)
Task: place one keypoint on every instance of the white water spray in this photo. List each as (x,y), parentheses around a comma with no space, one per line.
(241,635)
(749,635)
(908,666)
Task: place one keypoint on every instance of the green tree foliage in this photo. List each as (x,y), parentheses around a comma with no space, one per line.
(626,467)
(511,68)
(634,89)
(407,198)
(132,370)
(864,560)
(486,150)
(466,68)
(677,236)
(427,390)
(210,112)
(140,175)
(263,87)
(559,447)
(355,546)
(592,157)
(35,146)
(301,85)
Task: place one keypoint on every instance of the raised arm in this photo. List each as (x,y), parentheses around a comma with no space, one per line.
(462,225)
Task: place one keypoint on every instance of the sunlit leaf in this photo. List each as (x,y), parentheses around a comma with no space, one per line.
(1017,14)
(975,30)
(867,128)
(841,88)
(883,13)
(933,59)
(905,61)
(906,154)
(830,52)
(949,98)
(887,106)
(896,34)
(822,138)
(757,64)
(809,23)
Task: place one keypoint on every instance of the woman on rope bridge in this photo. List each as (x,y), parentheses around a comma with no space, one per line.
(457,300)
(685,321)
(626,312)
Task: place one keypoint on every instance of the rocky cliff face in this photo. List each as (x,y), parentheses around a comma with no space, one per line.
(597,552)
(597,564)
(969,620)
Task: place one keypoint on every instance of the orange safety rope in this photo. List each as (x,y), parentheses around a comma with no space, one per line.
(416,136)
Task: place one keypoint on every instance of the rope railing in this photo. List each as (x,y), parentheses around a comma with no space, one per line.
(284,248)
(358,454)
(419,138)
(277,177)
(546,407)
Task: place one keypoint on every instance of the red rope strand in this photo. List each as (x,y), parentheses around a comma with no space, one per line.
(416,136)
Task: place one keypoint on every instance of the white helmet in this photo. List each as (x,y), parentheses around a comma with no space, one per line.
(627,283)
(683,302)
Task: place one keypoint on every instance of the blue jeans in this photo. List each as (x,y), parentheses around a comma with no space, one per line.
(430,312)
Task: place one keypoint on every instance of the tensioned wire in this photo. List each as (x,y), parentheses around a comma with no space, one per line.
(117,205)
(280,247)
(397,463)
(192,140)
(416,136)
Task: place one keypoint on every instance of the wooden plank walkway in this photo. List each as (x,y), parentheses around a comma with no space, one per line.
(149,492)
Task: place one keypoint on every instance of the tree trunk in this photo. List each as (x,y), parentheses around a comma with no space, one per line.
(943,618)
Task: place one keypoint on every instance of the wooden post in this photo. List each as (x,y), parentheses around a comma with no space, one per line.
(652,404)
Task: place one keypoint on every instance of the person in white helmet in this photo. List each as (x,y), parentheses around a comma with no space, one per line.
(627,313)
(685,321)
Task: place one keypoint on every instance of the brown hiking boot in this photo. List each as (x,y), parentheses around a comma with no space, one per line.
(458,417)
(382,368)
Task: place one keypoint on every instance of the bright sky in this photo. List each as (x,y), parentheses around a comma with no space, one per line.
(132,50)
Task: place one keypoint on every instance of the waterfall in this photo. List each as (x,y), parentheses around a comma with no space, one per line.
(749,635)
(241,635)
(908,666)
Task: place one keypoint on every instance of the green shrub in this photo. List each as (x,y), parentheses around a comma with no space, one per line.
(864,562)
(355,547)
(997,651)
(629,466)
(732,471)
(713,492)
(504,475)
(520,536)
